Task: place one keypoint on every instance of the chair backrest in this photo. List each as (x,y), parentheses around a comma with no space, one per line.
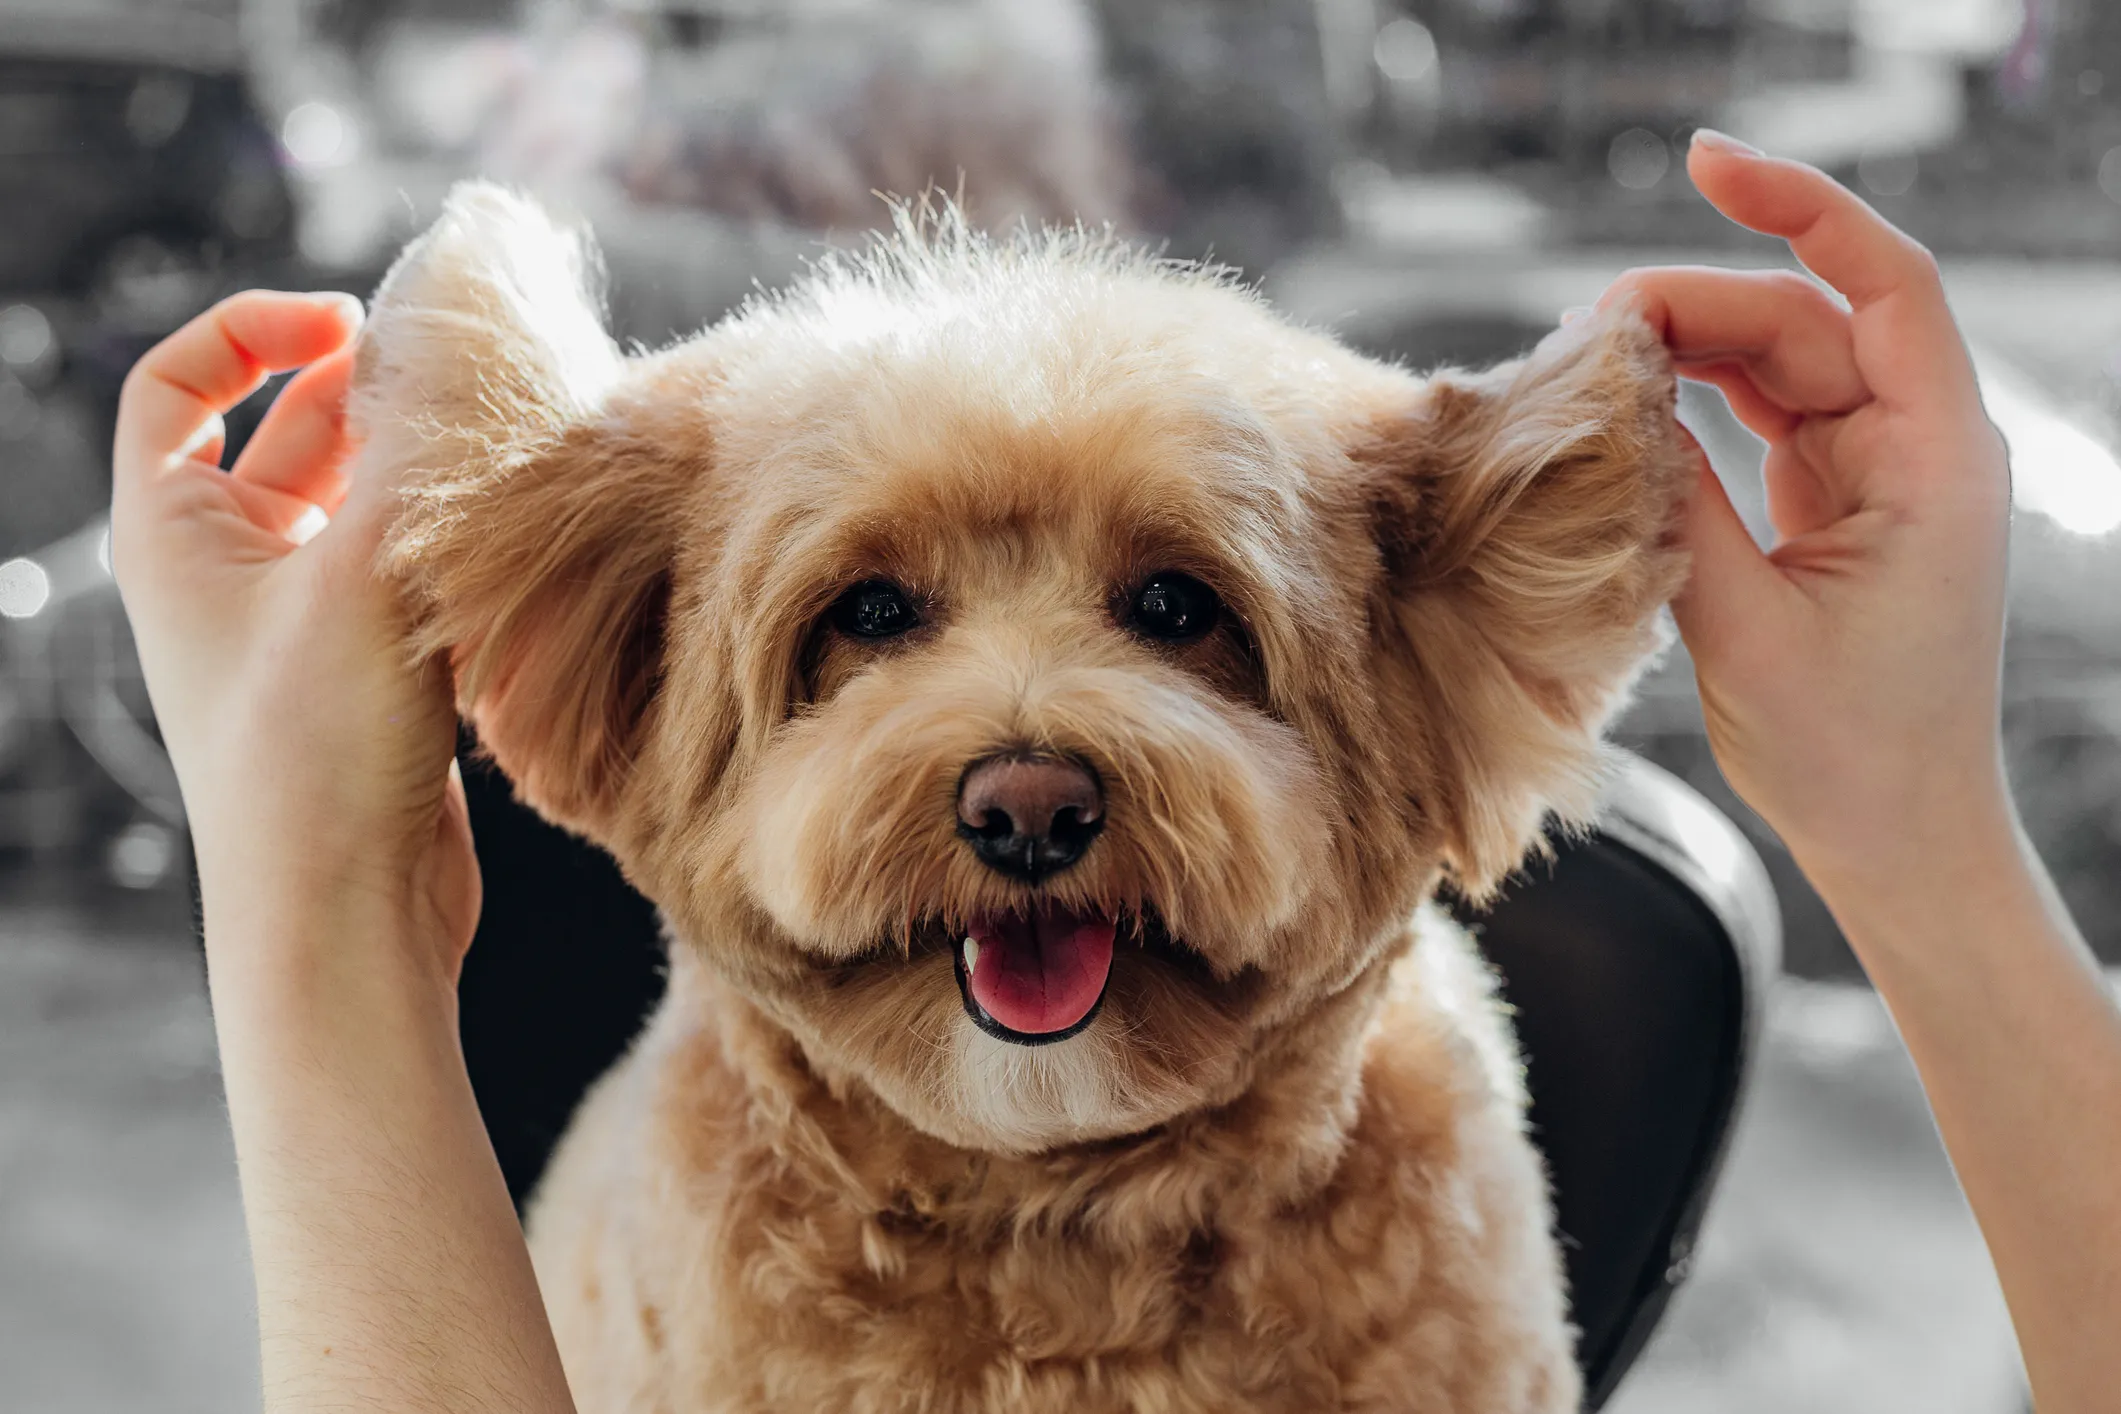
(1636,964)
(567,964)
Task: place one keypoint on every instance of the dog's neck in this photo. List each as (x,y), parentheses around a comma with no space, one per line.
(1274,1147)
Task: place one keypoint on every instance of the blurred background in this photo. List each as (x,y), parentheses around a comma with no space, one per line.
(1437,179)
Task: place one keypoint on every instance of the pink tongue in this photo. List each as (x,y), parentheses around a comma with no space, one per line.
(1040,974)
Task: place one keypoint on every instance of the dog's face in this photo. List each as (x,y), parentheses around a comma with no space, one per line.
(1030,674)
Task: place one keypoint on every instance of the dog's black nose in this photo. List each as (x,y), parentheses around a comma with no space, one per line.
(1029,816)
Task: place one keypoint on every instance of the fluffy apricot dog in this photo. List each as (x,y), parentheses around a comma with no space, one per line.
(1041,689)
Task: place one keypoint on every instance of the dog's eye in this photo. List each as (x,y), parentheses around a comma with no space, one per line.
(1174,607)
(875,608)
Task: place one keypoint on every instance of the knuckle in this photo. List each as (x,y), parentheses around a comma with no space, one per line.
(236,303)
(1794,292)
(1921,261)
(1791,285)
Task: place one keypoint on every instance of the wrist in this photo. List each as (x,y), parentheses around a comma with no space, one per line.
(296,935)
(1894,836)
(1906,896)
(303,845)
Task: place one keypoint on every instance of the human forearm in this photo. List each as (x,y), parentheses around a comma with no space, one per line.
(1850,678)
(389,1262)
(2010,1022)
(337,869)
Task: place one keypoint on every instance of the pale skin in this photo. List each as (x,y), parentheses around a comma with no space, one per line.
(337,877)
(1850,680)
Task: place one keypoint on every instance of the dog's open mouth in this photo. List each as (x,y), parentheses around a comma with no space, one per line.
(1035,978)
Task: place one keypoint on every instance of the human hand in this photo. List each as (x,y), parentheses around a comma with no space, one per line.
(1849,676)
(316,762)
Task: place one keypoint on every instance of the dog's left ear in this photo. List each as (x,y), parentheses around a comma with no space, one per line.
(1527,521)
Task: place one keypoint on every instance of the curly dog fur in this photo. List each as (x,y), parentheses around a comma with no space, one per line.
(1285,1167)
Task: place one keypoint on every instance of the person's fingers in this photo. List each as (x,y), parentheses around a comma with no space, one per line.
(1822,442)
(1799,499)
(1755,411)
(1787,332)
(369,507)
(1732,581)
(288,516)
(208,444)
(1833,231)
(300,447)
(196,487)
(180,387)
(1906,342)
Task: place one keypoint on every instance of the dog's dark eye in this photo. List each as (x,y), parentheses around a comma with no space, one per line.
(875,608)
(1174,607)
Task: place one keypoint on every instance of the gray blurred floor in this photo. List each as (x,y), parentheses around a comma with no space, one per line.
(1840,1271)
(122,1263)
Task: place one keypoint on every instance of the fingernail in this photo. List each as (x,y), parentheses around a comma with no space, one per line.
(208,432)
(350,308)
(1724,142)
(307,525)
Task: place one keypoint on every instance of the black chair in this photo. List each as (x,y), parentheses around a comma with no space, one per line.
(1637,964)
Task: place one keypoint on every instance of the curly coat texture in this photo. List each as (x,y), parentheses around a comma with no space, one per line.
(1285,1168)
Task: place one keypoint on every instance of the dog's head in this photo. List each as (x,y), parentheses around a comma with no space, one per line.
(1029,672)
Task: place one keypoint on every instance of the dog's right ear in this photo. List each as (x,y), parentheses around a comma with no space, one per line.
(532,545)
(1528,524)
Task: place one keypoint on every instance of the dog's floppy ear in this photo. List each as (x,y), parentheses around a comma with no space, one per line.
(1527,522)
(533,550)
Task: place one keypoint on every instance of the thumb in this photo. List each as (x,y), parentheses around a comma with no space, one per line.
(1731,582)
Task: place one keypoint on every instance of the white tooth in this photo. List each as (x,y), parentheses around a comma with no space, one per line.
(971,956)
